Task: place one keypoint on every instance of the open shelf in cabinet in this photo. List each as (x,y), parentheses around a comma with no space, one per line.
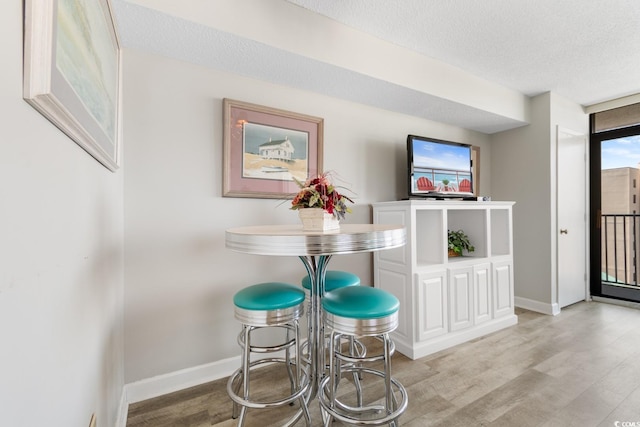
(500,232)
(429,234)
(474,224)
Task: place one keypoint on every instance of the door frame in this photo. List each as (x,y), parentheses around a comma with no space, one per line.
(586,209)
(595,245)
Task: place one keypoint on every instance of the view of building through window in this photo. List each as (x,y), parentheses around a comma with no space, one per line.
(620,188)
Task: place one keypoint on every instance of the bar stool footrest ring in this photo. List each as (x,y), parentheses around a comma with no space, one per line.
(345,417)
(237,376)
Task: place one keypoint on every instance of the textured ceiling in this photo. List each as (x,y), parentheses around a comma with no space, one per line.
(585,50)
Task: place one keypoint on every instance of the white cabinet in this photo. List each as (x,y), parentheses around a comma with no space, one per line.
(503,285)
(431,293)
(446,301)
(482,290)
(460,298)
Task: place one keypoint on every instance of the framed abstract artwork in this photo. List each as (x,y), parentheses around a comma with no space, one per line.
(72,72)
(266,150)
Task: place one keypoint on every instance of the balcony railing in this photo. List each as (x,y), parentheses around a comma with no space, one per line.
(620,248)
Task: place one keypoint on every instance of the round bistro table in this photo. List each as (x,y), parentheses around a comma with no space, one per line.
(315,249)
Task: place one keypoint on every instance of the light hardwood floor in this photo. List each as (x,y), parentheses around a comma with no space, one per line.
(580,368)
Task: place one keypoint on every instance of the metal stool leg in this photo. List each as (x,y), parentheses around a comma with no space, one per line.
(357,375)
(347,319)
(270,305)
(246,360)
(301,399)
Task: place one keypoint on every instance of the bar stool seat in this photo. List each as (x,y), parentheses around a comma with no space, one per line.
(333,279)
(360,311)
(277,300)
(272,305)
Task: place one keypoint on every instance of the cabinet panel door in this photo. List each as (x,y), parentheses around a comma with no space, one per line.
(431,304)
(482,293)
(460,298)
(503,288)
(396,283)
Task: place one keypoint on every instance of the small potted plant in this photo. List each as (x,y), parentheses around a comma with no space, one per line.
(458,243)
(445,182)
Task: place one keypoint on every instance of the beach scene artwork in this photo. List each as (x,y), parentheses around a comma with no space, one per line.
(274,153)
(86,56)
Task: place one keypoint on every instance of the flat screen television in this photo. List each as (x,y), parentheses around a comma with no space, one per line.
(439,168)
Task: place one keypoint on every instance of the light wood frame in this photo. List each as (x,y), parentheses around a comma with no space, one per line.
(72,72)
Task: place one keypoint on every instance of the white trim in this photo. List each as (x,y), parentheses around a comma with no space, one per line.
(174,381)
(171,382)
(179,380)
(537,306)
(449,340)
(123,409)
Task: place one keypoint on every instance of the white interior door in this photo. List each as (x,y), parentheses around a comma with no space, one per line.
(572,217)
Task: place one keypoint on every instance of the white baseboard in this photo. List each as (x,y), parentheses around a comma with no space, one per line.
(171,382)
(174,381)
(537,306)
(123,410)
(417,350)
(179,380)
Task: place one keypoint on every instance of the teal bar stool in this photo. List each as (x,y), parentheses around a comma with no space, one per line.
(272,305)
(360,311)
(333,279)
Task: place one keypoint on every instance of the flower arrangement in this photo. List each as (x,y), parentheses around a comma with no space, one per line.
(318,192)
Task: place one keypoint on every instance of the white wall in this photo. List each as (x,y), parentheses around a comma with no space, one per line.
(523,170)
(61,265)
(179,277)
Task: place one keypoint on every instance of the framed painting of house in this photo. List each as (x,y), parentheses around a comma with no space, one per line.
(72,69)
(266,150)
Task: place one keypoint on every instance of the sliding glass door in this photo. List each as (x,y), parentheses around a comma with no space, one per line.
(615,213)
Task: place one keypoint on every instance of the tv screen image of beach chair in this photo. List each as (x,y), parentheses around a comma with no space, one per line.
(465,186)
(425,184)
